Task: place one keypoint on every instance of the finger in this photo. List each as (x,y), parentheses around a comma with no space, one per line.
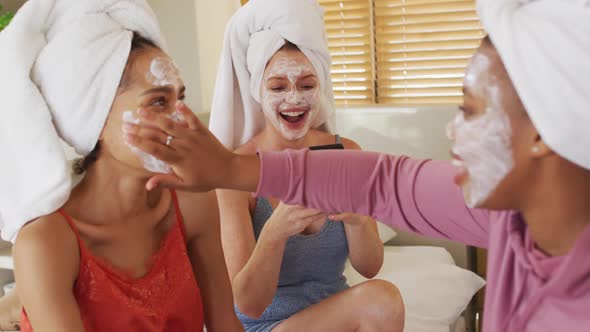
(150,133)
(340,216)
(306,213)
(303,209)
(189,117)
(163,180)
(153,148)
(291,207)
(316,218)
(162,122)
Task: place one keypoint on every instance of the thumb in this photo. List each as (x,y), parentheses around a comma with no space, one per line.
(165,180)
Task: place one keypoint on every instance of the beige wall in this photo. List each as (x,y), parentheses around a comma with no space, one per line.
(195,29)
(178,23)
(212,17)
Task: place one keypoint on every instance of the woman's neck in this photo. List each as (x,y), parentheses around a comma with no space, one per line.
(112,191)
(558,212)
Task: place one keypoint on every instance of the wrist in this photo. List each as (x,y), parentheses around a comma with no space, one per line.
(243,173)
(359,222)
(272,237)
(356,226)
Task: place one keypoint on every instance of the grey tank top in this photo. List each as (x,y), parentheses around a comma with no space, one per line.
(311,271)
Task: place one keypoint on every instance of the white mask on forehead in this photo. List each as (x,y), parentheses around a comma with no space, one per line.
(163,71)
(483,143)
(275,102)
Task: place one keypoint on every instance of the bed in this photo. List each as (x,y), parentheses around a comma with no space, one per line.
(436,291)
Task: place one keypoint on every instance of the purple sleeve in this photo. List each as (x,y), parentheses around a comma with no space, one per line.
(413,195)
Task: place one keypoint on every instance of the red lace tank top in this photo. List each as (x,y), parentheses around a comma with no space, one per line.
(167,298)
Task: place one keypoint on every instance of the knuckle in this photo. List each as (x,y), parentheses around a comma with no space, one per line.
(148,134)
(140,133)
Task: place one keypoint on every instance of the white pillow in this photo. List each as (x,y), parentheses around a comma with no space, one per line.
(435,293)
(426,253)
(386,233)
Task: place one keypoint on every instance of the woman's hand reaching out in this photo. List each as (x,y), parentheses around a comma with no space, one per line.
(198,160)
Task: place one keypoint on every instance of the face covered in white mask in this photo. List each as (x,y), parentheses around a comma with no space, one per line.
(152,83)
(481,134)
(290,93)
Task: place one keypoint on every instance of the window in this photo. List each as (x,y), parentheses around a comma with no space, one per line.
(349,30)
(400,52)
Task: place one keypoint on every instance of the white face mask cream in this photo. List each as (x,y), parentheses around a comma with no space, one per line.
(150,162)
(482,145)
(291,108)
(163,71)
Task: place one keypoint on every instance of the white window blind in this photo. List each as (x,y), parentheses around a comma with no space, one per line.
(349,30)
(422,49)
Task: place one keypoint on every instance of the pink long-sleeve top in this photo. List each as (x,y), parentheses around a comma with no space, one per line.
(526,290)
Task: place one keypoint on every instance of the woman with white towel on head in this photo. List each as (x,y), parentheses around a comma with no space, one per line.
(285,262)
(106,255)
(518,186)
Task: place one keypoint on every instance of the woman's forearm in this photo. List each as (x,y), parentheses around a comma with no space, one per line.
(242,173)
(365,247)
(255,285)
(413,195)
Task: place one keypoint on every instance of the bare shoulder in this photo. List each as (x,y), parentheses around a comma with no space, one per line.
(51,232)
(249,147)
(350,144)
(47,243)
(200,211)
(322,137)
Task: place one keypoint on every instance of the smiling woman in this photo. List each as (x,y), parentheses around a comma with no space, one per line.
(290,95)
(286,262)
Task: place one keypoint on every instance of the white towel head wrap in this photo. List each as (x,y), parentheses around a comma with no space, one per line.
(545,47)
(253,35)
(61,64)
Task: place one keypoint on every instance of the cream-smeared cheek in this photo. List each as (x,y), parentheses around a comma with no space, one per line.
(149,162)
(275,102)
(483,145)
(271,101)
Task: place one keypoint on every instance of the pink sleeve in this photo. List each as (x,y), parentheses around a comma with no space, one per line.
(413,195)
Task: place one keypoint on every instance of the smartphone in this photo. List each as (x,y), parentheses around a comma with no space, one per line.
(337,146)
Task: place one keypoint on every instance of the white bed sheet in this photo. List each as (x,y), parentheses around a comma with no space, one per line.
(419,258)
